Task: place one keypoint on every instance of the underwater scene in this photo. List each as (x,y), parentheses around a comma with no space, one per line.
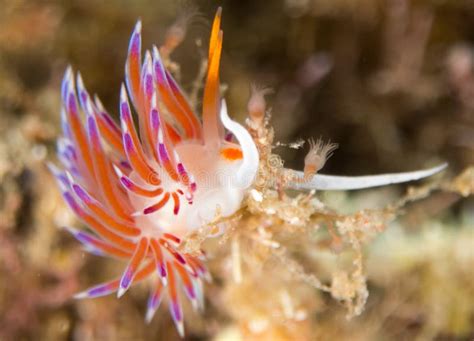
(237,170)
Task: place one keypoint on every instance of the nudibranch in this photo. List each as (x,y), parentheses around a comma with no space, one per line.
(141,190)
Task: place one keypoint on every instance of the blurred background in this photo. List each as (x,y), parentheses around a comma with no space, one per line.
(390,81)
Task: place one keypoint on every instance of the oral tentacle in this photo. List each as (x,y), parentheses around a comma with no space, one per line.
(250,161)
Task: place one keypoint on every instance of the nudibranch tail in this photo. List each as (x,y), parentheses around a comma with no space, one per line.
(341,183)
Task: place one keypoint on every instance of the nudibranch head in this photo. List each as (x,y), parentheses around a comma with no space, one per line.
(141,190)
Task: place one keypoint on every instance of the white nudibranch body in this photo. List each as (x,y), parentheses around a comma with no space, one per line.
(222,171)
